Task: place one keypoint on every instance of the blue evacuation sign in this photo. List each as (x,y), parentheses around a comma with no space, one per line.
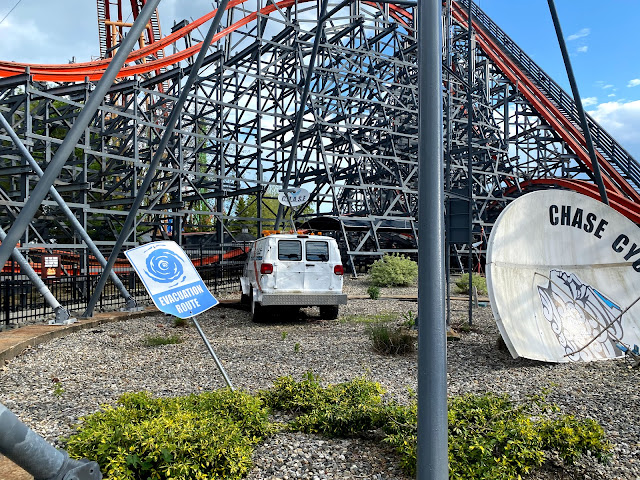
(171,279)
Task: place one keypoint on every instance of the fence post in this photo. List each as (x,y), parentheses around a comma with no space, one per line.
(5,286)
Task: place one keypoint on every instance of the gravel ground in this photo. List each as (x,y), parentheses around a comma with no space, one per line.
(94,367)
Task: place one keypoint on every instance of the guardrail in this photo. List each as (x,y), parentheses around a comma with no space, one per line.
(615,154)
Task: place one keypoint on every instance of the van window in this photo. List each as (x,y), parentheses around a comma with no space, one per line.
(317,251)
(290,250)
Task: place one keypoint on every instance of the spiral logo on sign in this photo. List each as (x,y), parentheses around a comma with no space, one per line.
(164,266)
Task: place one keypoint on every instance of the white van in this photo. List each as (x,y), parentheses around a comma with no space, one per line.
(297,270)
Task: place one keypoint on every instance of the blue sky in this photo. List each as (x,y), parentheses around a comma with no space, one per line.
(602,38)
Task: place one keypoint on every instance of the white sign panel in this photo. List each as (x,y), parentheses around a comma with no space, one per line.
(294,198)
(563,274)
(171,279)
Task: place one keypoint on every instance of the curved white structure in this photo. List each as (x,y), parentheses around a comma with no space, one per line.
(563,275)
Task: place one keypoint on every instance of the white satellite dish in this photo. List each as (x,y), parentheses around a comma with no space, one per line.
(293,197)
(563,275)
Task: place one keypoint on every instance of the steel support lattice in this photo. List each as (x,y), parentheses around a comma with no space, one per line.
(357,146)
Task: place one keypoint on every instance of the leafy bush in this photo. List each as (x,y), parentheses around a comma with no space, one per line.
(478,281)
(374,292)
(212,435)
(390,341)
(341,410)
(199,436)
(491,438)
(156,340)
(393,270)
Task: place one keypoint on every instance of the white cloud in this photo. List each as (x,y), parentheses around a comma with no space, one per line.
(622,121)
(582,49)
(634,82)
(611,95)
(607,86)
(581,34)
(589,101)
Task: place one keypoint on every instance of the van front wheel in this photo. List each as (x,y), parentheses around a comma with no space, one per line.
(329,312)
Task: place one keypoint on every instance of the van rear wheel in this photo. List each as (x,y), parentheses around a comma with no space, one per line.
(244,299)
(329,312)
(256,310)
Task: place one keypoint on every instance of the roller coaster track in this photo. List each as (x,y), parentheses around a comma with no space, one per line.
(554,103)
(358,148)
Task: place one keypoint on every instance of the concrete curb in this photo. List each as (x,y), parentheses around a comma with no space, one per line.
(15,342)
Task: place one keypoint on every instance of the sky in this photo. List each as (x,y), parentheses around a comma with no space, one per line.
(602,38)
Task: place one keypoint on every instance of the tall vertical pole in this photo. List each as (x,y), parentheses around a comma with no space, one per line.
(447,156)
(432,344)
(576,99)
(41,190)
(470,156)
(160,152)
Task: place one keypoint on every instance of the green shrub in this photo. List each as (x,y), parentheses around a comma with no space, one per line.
(390,341)
(212,435)
(393,270)
(478,281)
(156,340)
(491,438)
(199,436)
(341,410)
(374,292)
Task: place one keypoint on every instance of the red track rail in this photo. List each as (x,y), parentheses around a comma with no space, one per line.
(617,201)
(561,124)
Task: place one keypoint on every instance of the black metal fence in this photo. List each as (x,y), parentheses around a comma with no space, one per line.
(20,301)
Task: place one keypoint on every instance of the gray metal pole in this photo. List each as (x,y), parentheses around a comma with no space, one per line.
(576,98)
(300,113)
(67,212)
(470,72)
(62,315)
(31,452)
(213,354)
(432,344)
(164,141)
(60,158)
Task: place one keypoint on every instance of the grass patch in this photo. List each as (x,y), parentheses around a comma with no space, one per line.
(157,340)
(180,322)
(391,341)
(367,319)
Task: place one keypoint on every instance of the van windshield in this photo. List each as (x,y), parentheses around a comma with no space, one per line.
(290,250)
(317,251)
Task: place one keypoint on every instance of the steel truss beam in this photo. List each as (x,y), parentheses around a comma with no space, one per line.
(357,146)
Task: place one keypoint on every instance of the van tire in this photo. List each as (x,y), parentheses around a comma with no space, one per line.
(329,312)
(244,299)
(257,315)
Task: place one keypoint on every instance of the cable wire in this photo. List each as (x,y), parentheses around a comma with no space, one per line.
(14,7)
